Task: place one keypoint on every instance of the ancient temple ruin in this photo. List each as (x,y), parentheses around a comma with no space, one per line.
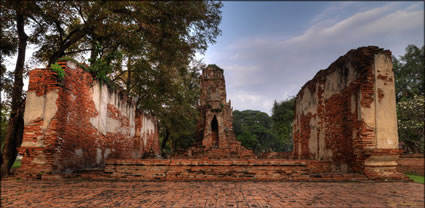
(215,125)
(77,123)
(347,115)
(345,127)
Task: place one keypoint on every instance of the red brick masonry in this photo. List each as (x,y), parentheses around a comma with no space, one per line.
(92,122)
(339,115)
(411,164)
(136,194)
(224,170)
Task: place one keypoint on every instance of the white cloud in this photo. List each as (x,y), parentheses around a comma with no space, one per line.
(261,69)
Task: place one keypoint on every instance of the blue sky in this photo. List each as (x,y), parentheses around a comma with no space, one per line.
(268,50)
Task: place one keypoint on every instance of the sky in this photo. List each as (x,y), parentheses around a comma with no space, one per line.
(269,50)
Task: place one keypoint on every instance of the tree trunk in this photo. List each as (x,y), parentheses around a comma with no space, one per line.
(164,142)
(16,123)
(128,74)
(75,37)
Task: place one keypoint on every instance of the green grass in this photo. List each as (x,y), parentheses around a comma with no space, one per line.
(416,178)
(16,164)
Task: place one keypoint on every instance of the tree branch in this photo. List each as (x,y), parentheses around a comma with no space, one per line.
(77,51)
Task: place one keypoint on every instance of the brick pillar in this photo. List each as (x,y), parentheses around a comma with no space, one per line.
(39,138)
(381,162)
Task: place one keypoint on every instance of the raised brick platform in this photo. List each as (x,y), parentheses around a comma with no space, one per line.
(413,164)
(213,170)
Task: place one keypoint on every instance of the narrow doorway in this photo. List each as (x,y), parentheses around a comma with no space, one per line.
(214,129)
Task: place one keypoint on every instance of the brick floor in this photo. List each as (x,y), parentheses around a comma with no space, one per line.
(70,193)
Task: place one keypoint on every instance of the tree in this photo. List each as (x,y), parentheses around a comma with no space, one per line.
(157,39)
(409,85)
(411,115)
(19,12)
(6,83)
(283,116)
(160,39)
(409,73)
(180,114)
(254,130)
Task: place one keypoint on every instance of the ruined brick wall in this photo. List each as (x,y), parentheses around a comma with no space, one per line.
(216,170)
(347,114)
(214,106)
(78,122)
(215,126)
(412,164)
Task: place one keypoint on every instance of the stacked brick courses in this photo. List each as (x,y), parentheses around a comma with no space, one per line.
(341,115)
(213,170)
(67,129)
(344,124)
(412,164)
(218,143)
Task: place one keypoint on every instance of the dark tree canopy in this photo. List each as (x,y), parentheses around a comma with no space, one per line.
(255,131)
(283,116)
(409,85)
(409,73)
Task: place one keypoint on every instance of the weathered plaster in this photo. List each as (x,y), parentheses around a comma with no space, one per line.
(40,107)
(77,123)
(346,114)
(148,127)
(50,107)
(386,115)
(34,107)
(102,96)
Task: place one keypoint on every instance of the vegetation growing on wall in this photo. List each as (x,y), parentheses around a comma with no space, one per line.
(60,73)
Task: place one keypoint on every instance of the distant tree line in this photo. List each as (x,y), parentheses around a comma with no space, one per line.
(263,133)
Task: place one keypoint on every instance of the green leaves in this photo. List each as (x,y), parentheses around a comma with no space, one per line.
(411,115)
(60,73)
(259,132)
(409,85)
(254,130)
(409,73)
(145,47)
(101,66)
(282,116)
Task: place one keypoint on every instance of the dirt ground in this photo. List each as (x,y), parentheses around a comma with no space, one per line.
(70,193)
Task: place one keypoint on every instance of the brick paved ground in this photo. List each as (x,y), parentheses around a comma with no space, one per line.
(209,194)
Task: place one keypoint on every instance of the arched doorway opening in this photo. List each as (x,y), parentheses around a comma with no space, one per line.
(214,129)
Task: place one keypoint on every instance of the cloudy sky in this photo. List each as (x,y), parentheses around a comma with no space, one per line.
(268,50)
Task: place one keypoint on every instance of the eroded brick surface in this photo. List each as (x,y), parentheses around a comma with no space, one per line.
(209,194)
(215,126)
(78,122)
(219,170)
(346,115)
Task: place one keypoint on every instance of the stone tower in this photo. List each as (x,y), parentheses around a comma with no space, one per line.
(215,127)
(216,113)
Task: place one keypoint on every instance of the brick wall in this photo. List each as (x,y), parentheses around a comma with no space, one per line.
(76,123)
(215,124)
(413,164)
(346,114)
(215,169)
